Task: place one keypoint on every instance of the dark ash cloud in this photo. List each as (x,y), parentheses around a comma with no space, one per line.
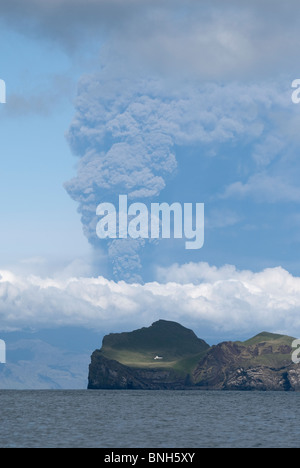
(209,39)
(126,134)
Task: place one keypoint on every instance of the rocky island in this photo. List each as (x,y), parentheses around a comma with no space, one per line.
(169,356)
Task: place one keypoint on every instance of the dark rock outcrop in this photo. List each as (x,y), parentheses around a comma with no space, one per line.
(234,366)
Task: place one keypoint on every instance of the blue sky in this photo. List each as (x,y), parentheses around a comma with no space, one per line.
(36,214)
(163,103)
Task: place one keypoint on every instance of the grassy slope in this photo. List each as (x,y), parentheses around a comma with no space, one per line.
(266,340)
(270,338)
(181,349)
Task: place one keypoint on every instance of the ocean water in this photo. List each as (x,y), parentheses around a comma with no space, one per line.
(148,419)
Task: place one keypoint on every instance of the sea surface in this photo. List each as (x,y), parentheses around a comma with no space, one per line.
(148,419)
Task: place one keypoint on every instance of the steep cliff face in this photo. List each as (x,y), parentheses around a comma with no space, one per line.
(108,374)
(263,366)
(169,356)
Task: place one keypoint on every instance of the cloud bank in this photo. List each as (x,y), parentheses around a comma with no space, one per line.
(197,295)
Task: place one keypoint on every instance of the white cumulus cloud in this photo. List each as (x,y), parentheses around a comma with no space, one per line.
(197,295)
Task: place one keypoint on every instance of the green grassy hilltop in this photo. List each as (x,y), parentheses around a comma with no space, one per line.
(178,346)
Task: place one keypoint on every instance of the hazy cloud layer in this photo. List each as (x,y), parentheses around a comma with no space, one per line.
(208,39)
(197,295)
(43,100)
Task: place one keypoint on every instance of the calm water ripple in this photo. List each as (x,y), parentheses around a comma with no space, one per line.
(148,419)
